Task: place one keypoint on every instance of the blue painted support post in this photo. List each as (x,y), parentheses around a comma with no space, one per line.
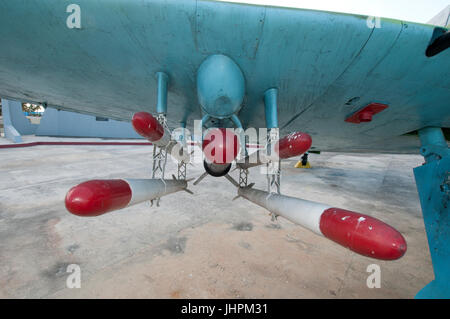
(271,110)
(182,137)
(433,185)
(240,130)
(270,101)
(10,131)
(163,81)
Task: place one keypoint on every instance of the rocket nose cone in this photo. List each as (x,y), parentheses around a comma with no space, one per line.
(362,234)
(80,201)
(294,144)
(399,247)
(387,244)
(97,197)
(147,126)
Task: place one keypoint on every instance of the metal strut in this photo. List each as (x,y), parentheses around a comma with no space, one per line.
(273,173)
(273,166)
(182,171)
(243,172)
(182,165)
(243,177)
(159,158)
(160,153)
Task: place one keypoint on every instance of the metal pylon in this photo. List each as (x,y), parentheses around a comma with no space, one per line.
(159,158)
(273,167)
(273,173)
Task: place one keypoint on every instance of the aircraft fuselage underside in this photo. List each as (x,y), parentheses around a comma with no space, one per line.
(221,91)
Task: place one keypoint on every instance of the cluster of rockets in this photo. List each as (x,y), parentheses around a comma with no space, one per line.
(360,233)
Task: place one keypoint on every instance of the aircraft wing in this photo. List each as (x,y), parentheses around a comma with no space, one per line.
(326,66)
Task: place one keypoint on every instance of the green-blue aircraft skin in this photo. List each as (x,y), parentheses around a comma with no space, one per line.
(325,65)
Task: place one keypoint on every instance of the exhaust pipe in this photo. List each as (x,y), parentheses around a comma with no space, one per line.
(362,234)
(98,197)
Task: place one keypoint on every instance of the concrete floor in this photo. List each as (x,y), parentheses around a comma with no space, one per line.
(200,246)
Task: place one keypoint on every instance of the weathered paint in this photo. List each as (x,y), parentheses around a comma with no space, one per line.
(360,233)
(433,185)
(318,61)
(294,144)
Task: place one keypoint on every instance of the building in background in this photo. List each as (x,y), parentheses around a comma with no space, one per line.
(60,123)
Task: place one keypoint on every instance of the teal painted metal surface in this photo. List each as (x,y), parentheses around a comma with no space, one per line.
(236,121)
(433,184)
(163,82)
(271,108)
(220,86)
(325,65)
(205,120)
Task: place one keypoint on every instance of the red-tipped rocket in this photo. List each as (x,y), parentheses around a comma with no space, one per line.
(97,197)
(149,127)
(220,146)
(292,145)
(362,234)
